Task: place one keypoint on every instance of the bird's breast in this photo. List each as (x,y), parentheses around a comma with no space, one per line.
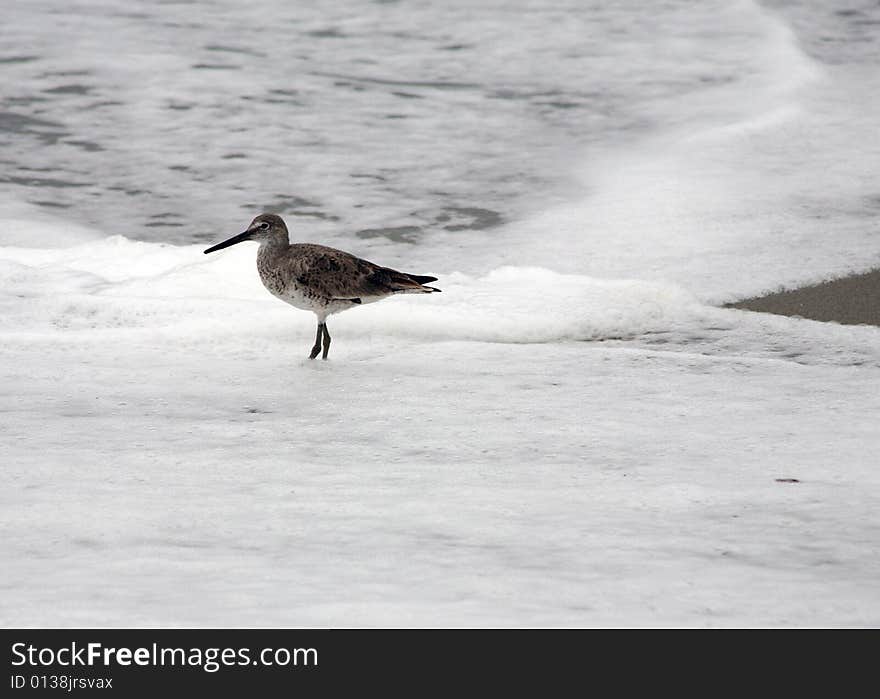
(282,283)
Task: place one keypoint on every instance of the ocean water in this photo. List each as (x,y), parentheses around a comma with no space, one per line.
(573,433)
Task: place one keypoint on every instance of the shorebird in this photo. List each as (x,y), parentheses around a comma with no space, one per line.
(320,279)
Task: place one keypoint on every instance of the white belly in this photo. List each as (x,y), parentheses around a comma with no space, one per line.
(305,300)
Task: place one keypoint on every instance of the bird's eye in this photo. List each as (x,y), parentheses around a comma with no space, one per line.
(264,225)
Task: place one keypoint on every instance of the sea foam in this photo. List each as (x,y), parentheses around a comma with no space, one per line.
(120,284)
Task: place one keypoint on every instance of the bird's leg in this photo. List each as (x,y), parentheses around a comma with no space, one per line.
(326,341)
(317,347)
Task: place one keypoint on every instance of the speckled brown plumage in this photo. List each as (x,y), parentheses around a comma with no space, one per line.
(320,279)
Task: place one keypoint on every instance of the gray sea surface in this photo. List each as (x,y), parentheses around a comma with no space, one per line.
(178,121)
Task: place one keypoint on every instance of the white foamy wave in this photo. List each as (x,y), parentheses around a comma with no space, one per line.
(532,304)
(176,289)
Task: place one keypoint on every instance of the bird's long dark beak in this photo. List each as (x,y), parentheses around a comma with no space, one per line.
(240,238)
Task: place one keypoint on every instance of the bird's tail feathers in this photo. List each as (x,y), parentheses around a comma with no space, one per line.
(412,283)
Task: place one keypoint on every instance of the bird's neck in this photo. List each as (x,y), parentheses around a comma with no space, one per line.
(274,245)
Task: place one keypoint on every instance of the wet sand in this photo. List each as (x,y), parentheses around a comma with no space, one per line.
(851,300)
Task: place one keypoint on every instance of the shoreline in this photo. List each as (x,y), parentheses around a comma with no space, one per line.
(853,300)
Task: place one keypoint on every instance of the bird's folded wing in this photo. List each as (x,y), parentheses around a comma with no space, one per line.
(335,274)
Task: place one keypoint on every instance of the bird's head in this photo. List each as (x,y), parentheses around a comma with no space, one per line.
(265,228)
